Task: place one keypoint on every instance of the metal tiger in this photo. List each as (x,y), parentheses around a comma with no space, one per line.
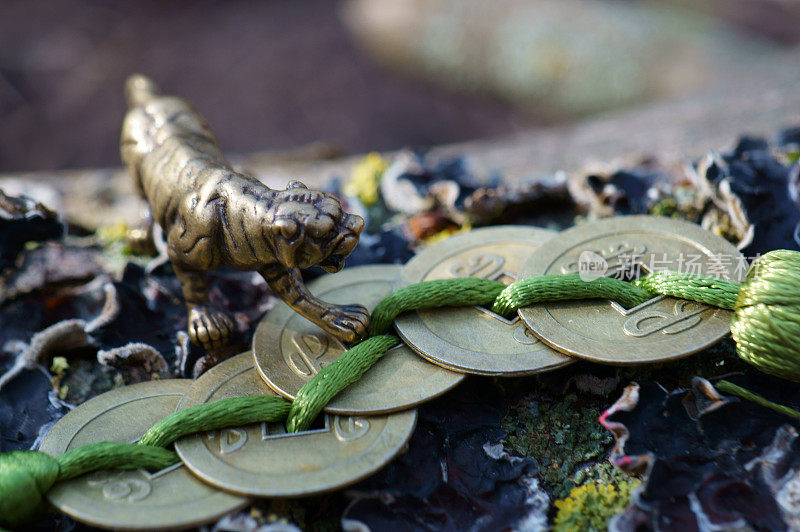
(213,216)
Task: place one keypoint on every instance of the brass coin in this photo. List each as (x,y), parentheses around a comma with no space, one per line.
(658,330)
(132,500)
(289,350)
(263,460)
(475,339)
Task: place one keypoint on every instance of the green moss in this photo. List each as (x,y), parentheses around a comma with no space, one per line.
(84,379)
(665,207)
(560,435)
(602,473)
(589,507)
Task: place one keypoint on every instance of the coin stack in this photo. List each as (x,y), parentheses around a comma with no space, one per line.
(371,421)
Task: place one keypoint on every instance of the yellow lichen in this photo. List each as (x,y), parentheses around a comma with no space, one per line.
(365,178)
(59,365)
(445,234)
(111,234)
(589,507)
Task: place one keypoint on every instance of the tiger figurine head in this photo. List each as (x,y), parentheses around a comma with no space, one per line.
(309,228)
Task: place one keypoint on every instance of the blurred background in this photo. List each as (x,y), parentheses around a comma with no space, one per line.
(358,75)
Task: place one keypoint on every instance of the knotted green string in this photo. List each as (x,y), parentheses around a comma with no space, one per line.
(766,328)
(332,379)
(25,476)
(251,409)
(700,288)
(569,286)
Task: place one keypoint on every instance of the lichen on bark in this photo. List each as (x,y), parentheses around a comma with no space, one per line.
(561,434)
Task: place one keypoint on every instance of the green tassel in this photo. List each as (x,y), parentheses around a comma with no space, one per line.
(766,324)
(25,476)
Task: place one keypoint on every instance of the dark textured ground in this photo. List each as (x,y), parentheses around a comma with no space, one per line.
(494,453)
(267,75)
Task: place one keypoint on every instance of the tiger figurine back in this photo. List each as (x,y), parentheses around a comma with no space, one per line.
(212,216)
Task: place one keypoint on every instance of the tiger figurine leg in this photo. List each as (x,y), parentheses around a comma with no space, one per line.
(208,326)
(349,323)
(141,237)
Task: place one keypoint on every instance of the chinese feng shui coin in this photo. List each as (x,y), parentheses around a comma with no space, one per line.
(132,500)
(475,339)
(289,350)
(264,460)
(661,329)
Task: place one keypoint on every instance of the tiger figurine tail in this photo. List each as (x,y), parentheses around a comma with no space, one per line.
(211,216)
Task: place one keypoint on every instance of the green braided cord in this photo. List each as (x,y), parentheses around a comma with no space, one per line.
(729,387)
(700,288)
(217,415)
(766,323)
(460,292)
(334,378)
(112,455)
(567,286)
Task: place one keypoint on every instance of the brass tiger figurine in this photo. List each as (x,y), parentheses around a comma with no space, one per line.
(212,216)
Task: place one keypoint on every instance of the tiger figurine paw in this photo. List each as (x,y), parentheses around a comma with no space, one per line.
(349,323)
(209,327)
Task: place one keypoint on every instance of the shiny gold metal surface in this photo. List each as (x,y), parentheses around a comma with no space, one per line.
(289,350)
(132,500)
(474,339)
(263,460)
(212,216)
(658,330)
